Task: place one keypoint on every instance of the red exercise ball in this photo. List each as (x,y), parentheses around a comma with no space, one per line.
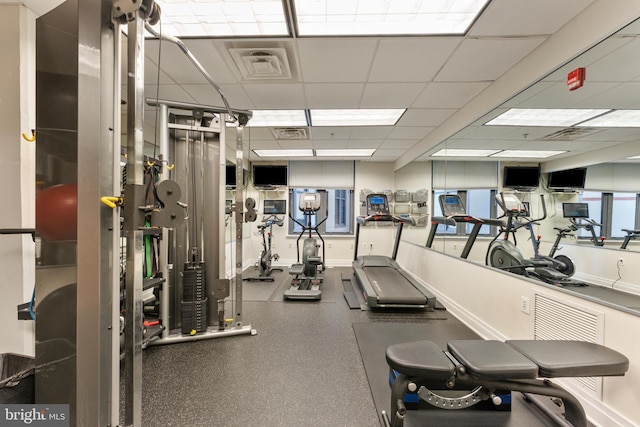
(57,213)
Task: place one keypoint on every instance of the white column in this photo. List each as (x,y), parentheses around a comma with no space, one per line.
(17,174)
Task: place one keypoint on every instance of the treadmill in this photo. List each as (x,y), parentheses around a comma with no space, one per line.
(383,282)
(454,213)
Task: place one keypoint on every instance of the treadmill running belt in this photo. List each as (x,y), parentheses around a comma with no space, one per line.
(392,287)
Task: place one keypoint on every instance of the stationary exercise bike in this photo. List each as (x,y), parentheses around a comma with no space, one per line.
(504,254)
(578,215)
(306,281)
(264,264)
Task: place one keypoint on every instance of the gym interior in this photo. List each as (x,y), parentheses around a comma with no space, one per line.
(193,237)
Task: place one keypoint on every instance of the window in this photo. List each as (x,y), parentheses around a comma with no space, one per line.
(623,213)
(594,200)
(336,207)
(614,211)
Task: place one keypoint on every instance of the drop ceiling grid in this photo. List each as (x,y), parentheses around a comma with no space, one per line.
(390,95)
(485,60)
(333,95)
(526,17)
(335,60)
(448,94)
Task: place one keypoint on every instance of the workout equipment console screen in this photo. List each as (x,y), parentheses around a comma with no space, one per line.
(275,207)
(451,205)
(377,204)
(575,210)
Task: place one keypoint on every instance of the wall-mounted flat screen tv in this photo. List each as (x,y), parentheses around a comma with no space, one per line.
(269,175)
(521,177)
(567,179)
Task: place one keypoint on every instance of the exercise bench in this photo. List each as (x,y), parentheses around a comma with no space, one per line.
(487,368)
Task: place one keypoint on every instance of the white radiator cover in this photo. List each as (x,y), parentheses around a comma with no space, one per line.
(554,319)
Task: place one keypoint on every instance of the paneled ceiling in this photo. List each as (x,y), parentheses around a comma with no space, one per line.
(436,78)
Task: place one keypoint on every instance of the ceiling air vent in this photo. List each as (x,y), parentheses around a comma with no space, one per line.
(290,134)
(262,64)
(570,134)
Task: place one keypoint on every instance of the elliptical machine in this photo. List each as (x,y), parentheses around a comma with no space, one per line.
(306,281)
(505,255)
(264,263)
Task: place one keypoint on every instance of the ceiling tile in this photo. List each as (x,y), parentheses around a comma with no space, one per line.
(276,96)
(333,143)
(370,132)
(411,59)
(331,132)
(207,95)
(424,117)
(168,92)
(482,60)
(369,143)
(448,95)
(336,60)
(173,62)
(390,95)
(413,132)
(398,143)
(523,17)
(333,95)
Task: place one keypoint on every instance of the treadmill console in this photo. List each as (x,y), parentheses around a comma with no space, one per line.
(451,205)
(377,204)
(511,205)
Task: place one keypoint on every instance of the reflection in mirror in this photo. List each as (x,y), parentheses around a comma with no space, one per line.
(592,160)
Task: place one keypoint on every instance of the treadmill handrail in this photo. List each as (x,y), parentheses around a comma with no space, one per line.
(363,220)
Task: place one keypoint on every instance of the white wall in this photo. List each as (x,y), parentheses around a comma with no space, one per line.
(489,302)
(17,163)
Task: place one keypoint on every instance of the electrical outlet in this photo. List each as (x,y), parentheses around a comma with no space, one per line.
(620,262)
(365,245)
(289,245)
(351,247)
(329,246)
(524,305)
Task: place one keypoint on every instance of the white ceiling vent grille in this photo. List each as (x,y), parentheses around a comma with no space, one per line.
(570,134)
(262,64)
(291,134)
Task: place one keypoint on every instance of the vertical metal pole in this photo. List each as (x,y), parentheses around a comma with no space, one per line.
(165,292)
(95,147)
(239,223)
(115,227)
(135,250)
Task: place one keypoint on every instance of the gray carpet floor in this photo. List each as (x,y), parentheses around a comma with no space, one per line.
(311,363)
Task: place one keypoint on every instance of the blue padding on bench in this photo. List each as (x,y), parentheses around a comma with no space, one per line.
(492,360)
(571,358)
(421,359)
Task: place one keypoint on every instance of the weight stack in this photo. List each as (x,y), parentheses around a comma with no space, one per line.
(194,299)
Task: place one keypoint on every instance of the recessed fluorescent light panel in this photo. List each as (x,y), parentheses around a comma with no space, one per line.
(459,152)
(527,154)
(278,118)
(220,18)
(284,153)
(356,117)
(633,158)
(544,117)
(617,118)
(385,17)
(347,152)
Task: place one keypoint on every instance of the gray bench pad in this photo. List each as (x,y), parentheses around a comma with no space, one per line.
(492,360)
(572,358)
(511,360)
(422,359)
